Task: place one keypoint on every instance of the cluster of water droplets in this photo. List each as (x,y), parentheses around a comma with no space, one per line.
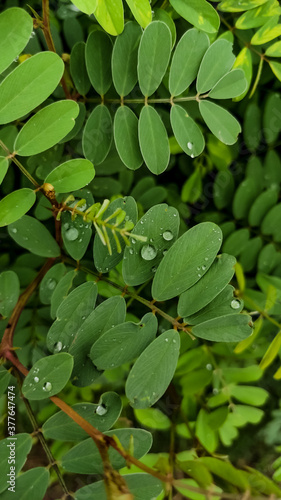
(72,233)
(149,252)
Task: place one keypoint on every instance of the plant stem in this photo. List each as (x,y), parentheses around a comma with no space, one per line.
(42,440)
(134,296)
(49,39)
(7,340)
(19,164)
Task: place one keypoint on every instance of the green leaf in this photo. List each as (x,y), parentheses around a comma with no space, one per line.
(276,68)
(187,132)
(274,50)
(125,58)
(239,5)
(199,13)
(258,16)
(84,458)
(50,281)
(23,444)
(98,60)
(244,62)
(102,416)
(261,205)
(9,292)
(78,68)
(31,485)
(160,225)
(197,471)
(29,84)
(267,32)
(123,343)
(217,61)
(153,419)
(221,305)
(97,135)
(48,376)
(252,126)
(271,352)
(223,189)
(192,188)
(71,175)
(236,242)
(233,84)
(62,289)
(153,56)
(15,28)
(108,13)
(15,205)
(109,313)
(31,234)
(126,137)
(141,10)
(250,373)
(206,435)
(231,328)
(5,378)
(153,370)
(272,127)
(70,314)
(207,288)
(249,395)
(178,271)
(46,128)
(76,235)
(165,17)
(221,123)
(4,165)
(226,471)
(142,486)
(244,197)
(186,60)
(154,142)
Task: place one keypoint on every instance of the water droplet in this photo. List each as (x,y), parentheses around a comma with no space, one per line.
(166,340)
(235,304)
(206,258)
(164,252)
(154,269)
(51,283)
(209,367)
(215,391)
(131,251)
(36,379)
(174,341)
(189,145)
(133,241)
(58,346)
(101,410)
(14,230)
(148,252)
(192,156)
(47,387)
(32,34)
(198,268)
(204,268)
(66,226)
(168,235)
(72,234)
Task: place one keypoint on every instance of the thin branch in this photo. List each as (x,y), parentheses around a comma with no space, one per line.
(12,157)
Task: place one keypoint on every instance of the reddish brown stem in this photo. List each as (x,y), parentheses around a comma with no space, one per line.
(49,40)
(7,340)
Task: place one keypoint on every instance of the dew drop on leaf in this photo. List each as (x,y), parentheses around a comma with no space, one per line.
(168,235)
(101,410)
(47,387)
(72,234)
(51,283)
(36,379)
(148,252)
(58,347)
(235,304)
